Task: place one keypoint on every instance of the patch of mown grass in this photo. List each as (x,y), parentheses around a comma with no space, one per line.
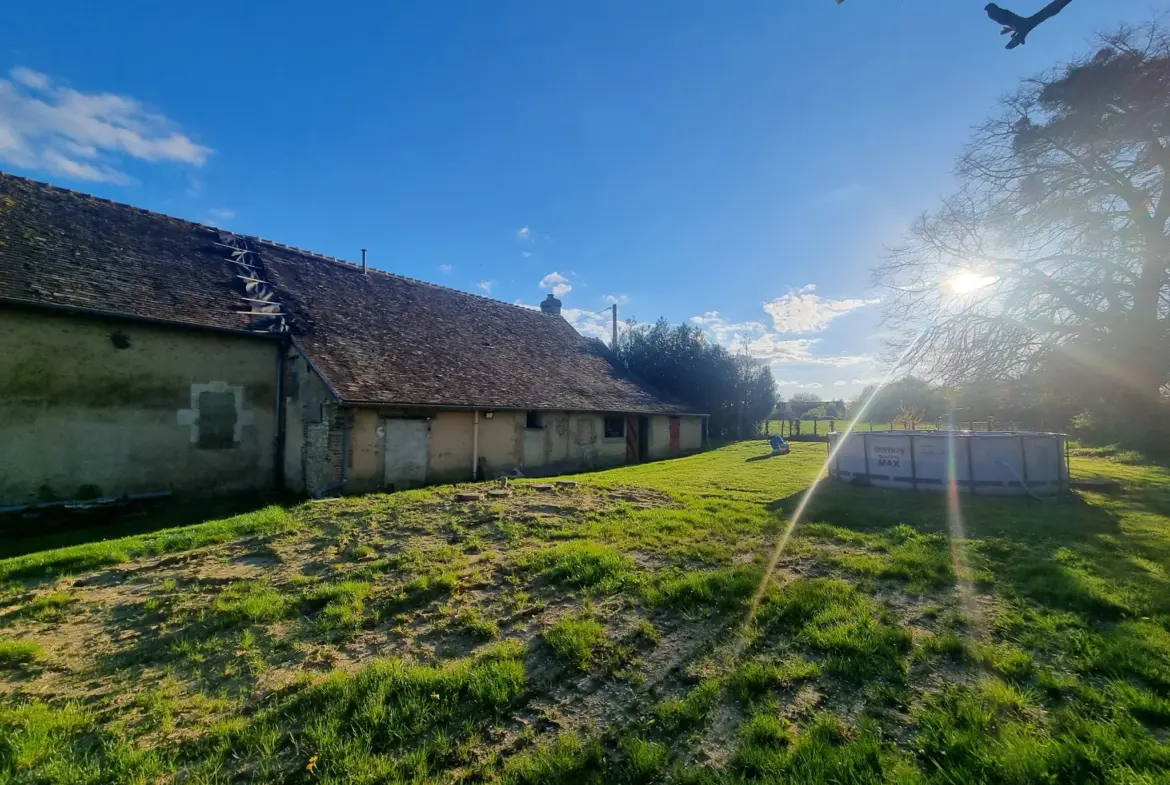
(474,621)
(921,560)
(643,760)
(342,605)
(699,590)
(826,752)
(577,639)
(390,721)
(688,713)
(566,760)
(759,675)
(49,606)
(1060,668)
(854,632)
(583,565)
(18,652)
(65,744)
(249,602)
(90,556)
(993,733)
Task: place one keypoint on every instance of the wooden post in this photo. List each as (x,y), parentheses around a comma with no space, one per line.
(816,420)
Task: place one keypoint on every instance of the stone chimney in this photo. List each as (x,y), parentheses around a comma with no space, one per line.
(551,306)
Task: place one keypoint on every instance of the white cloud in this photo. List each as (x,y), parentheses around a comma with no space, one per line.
(867,381)
(617,299)
(30,78)
(486,286)
(86,136)
(729,334)
(523,304)
(804,312)
(794,351)
(814,385)
(559,284)
(840,383)
(593,325)
(445,268)
(523,233)
(221,213)
(526,254)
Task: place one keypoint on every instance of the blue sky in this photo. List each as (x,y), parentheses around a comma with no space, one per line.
(737,165)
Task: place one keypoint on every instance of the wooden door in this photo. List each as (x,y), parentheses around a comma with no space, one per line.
(675,427)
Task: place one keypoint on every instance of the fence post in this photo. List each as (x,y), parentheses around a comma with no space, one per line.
(815,421)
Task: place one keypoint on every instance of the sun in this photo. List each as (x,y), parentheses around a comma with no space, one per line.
(966,282)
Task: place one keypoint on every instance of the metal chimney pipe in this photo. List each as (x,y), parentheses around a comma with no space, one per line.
(363,261)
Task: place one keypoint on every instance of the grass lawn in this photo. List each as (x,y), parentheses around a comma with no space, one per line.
(596,634)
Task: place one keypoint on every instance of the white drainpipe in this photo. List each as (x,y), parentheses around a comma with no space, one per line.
(474,445)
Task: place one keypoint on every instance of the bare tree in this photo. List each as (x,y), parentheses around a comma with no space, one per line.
(1055,249)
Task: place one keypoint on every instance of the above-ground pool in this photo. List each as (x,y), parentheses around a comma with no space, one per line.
(995,463)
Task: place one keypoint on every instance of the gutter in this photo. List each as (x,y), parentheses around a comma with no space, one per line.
(450,407)
(475,446)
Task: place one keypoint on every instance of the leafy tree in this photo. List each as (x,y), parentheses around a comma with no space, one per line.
(1052,258)
(909,393)
(737,391)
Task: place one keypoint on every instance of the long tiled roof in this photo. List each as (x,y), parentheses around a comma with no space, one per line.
(376,338)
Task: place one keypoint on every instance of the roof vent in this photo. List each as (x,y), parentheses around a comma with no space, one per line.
(551,306)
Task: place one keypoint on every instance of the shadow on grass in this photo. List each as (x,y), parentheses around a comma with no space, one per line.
(1065,554)
(59,528)
(763,457)
(1025,519)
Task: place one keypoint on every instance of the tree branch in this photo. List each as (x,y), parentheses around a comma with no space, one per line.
(1020,26)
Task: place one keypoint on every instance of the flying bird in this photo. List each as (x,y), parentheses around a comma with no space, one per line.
(1020,26)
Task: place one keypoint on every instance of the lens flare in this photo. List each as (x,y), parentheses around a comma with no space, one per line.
(785,535)
(966,282)
(958,540)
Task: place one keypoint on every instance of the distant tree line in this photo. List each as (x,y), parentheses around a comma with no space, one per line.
(737,391)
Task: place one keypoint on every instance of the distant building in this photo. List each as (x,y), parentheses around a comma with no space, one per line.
(142,353)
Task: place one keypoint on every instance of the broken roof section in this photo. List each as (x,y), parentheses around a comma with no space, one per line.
(376,338)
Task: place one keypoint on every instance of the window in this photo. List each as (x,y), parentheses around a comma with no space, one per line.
(533,420)
(615,427)
(217,420)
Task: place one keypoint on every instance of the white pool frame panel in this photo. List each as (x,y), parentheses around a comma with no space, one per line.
(992,463)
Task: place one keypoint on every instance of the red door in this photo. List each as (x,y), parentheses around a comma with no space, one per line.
(675,424)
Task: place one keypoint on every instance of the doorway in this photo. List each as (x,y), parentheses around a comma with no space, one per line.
(637,438)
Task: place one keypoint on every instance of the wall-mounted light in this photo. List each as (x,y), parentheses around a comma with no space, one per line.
(488,415)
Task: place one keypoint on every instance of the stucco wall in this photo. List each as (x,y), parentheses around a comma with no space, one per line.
(659,445)
(365,450)
(501,443)
(81,417)
(450,446)
(691,434)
